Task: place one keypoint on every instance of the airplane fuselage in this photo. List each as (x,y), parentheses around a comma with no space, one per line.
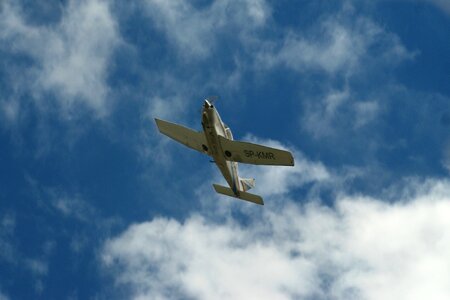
(216,140)
(213,127)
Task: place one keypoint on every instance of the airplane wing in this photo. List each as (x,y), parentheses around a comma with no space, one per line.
(193,139)
(255,154)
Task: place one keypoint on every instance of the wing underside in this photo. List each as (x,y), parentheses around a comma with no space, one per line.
(248,153)
(188,137)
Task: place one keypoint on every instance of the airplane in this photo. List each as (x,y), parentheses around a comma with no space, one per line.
(217,141)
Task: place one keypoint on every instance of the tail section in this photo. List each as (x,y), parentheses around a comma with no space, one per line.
(242,195)
(247,183)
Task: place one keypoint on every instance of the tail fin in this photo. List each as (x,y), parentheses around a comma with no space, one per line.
(242,195)
(247,183)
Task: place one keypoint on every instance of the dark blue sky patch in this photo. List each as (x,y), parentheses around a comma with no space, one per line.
(42,13)
(423,28)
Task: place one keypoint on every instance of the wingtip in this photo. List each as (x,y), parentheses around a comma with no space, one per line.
(292,160)
(157,121)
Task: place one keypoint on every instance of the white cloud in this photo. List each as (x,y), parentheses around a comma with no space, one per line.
(342,43)
(238,274)
(70,57)
(362,248)
(194,30)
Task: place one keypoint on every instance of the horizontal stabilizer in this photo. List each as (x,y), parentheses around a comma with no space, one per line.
(248,153)
(242,195)
(188,137)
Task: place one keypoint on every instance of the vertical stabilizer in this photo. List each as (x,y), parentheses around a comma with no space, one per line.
(247,183)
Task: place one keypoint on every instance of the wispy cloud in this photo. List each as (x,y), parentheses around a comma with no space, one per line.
(37,266)
(446,156)
(340,43)
(442,4)
(10,255)
(74,207)
(7,227)
(3,296)
(194,31)
(322,115)
(69,58)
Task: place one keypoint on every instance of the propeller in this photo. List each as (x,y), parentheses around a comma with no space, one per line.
(212,99)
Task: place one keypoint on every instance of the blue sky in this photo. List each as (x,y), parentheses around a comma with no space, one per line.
(96,204)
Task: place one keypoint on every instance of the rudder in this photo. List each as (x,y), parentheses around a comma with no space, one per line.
(247,183)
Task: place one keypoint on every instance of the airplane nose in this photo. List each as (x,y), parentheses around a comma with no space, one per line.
(207,104)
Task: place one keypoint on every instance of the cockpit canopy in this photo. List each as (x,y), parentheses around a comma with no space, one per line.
(228,132)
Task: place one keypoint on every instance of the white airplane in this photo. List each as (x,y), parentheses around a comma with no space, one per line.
(217,141)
